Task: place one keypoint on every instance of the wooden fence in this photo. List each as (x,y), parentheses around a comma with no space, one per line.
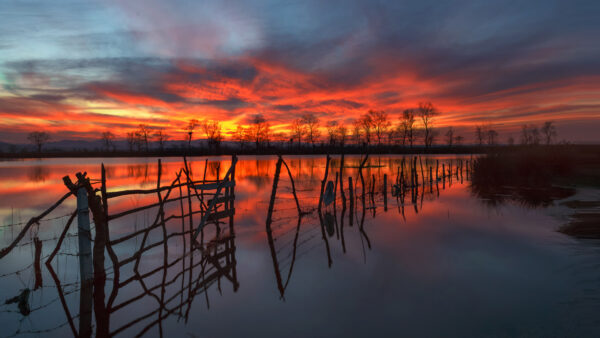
(172,285)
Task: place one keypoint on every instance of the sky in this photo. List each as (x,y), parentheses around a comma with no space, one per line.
(77,68)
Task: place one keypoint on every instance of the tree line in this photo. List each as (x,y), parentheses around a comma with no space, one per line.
(375,128)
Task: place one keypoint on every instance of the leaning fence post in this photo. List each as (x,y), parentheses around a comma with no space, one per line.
(85,263)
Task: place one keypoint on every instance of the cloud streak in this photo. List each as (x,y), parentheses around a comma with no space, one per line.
(163,63)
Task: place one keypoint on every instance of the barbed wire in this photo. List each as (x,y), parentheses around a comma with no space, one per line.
(42,220)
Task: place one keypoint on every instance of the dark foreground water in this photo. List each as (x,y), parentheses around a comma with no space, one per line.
(444,262)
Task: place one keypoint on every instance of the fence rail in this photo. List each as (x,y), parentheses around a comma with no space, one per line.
(200,264)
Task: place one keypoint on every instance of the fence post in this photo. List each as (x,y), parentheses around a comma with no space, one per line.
(85,263)
(385,192)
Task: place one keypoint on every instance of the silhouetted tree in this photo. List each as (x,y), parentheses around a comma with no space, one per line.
(162,138)
(427,112)
(431,137)
(530,135)
(450,136)
(366,124)
(143,134)
(242,136)
(131,140)
(38,139)
(312,127)
(458,140)
(298,130)
(332,127)
(549,132)
(480,134)
(379,123)
(408,126)
(191,126)
(392,135)
(356,131)
(342,134)
(259,129)
(492,135)
(107,139)
(212,130)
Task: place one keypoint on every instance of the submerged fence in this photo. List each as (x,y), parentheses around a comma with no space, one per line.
(174,257)
(173,284)
(360,196)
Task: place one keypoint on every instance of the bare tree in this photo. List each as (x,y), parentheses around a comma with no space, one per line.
(356,131)
(530,135)
(549,132)
(143,134)
(107,139)
(298,130)
(312,127)
(259,129)
(162,138)
(242,136)
(525,138)
(427,112)
(38,138)
(366,124)
(392,135)
(458,139)
(450,136)
(342,134)
(332,127)
(191,126)
(480,134)
(431,137)
(379,123)
(131,140)
(492,135)
(212,130)
(535,135)
(408,126)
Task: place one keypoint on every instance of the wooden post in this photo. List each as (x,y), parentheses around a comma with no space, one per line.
(341,178)
(422,174)
(37,263)
(85,263)
(293,186)
(444,175)
(273,193)
(323,182)
(335,193)
(232,197)
(385,192)
(437,165)
(416,180)
(350,192)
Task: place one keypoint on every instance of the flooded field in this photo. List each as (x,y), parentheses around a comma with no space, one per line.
(385,253)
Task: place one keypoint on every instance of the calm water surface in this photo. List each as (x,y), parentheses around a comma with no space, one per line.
(449,264)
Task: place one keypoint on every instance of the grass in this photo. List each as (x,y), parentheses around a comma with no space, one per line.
(537,176)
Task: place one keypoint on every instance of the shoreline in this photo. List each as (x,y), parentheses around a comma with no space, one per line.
(319,150)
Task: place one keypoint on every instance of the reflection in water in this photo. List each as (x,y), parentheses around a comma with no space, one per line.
(528,184)
(367,197)
(388,237)
(139,171)
(38,173)
(171,284)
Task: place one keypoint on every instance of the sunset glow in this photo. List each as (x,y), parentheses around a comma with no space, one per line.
(75,71)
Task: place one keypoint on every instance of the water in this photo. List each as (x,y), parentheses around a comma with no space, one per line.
(451,264)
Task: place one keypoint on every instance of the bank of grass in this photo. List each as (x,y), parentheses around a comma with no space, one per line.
(539,166)
(537,176)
